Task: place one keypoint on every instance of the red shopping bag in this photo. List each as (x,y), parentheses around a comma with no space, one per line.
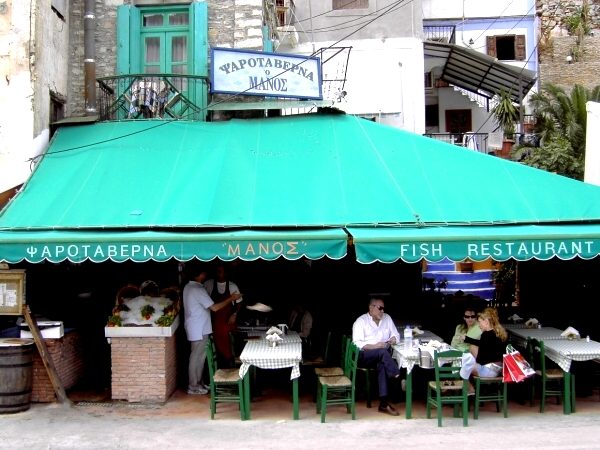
(514,367)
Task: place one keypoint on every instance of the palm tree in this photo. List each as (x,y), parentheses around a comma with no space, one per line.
(561,119)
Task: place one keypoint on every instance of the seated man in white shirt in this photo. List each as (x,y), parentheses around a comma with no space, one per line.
(373,333)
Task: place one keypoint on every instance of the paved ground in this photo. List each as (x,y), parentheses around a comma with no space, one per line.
(184,423)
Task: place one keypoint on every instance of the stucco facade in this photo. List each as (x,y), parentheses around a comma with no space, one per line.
(384,74)
(33,60)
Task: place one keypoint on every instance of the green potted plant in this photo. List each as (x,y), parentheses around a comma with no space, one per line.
(506,115)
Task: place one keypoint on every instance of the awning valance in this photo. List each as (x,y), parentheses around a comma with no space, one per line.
(477,243)
(141,246)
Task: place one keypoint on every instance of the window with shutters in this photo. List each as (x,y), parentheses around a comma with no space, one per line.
(350,4)
(507,47)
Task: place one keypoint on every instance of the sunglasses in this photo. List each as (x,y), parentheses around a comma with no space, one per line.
(470,317)
(380,308)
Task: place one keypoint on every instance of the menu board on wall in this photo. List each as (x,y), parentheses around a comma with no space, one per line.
(12,288)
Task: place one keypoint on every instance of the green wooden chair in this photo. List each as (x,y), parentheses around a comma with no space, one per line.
(552,380)
(235,360)
(340,390)
(490,389)
(448,387)
(368,373)
(226,386)
(336,371)
(319,360)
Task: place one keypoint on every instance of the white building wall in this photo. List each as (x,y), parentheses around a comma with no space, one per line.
(592,144)
(51,61)
(384,80)
(16,93)
(446,9)
(33,61)
(384,77)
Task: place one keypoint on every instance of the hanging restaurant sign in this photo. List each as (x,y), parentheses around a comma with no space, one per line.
(57,246)
(266,74)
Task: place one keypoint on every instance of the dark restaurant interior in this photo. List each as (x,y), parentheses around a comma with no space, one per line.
(557,293)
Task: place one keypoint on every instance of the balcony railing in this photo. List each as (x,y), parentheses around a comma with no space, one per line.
(485,142)
(474,141)
(440,33)
(159,96)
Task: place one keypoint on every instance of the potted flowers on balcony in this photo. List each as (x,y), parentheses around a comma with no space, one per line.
(506,115)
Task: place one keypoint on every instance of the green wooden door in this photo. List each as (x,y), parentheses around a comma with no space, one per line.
(167,40)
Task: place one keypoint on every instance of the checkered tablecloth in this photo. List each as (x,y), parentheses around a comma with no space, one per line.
(260,353)
(520,335)
(565,351)
(514,326)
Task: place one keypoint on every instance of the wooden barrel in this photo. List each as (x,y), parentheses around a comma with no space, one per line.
(16,374)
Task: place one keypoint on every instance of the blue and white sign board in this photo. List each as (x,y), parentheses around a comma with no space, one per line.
(266,74)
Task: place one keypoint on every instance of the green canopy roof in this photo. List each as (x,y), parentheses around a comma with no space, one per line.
(274,176)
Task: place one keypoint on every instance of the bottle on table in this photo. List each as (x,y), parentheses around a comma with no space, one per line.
(408,335)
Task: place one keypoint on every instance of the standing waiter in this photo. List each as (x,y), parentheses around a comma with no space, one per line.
(222,289)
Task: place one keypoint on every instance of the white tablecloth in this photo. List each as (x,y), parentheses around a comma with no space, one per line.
(564,351)
(428,336)
(260,353)
(406,358)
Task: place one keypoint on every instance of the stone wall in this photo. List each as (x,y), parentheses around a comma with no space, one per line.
(231,23)
(553,13)
(106,50)
(235,23)
(555,69)
(555,44)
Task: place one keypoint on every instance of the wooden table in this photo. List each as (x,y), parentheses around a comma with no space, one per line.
(260,353)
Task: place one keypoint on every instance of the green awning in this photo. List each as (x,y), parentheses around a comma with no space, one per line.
(111,183)
(288,172)
(477,243)
(140,246)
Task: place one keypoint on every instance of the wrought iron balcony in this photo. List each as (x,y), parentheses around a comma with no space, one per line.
(440,33)
(152,96)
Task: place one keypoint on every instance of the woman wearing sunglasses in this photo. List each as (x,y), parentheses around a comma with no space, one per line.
(468,328)
(485,359)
